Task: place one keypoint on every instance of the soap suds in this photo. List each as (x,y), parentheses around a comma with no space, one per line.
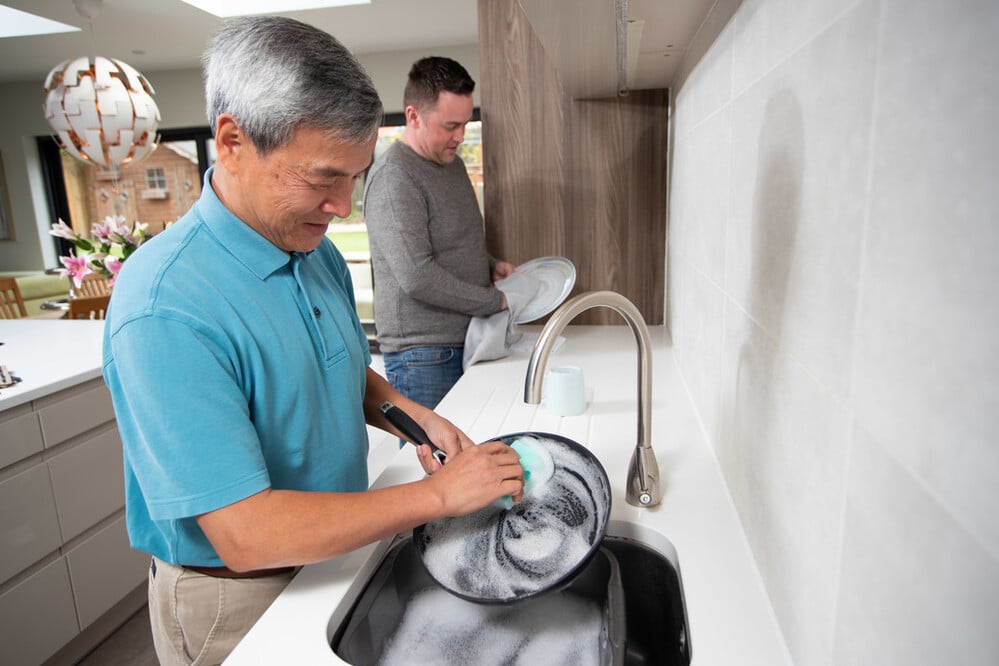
(497,554)
(441,629)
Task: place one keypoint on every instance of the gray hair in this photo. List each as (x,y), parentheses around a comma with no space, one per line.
(273,74)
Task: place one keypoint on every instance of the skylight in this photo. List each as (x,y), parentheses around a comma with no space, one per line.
(15,23)
(251,7)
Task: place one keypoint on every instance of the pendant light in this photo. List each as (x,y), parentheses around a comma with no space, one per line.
(101,109)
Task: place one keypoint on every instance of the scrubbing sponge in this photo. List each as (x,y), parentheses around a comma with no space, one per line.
(537,463)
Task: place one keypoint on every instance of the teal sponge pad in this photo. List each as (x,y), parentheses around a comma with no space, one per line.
(537,463)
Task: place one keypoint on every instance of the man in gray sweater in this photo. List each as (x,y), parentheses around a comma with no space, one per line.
(432,272)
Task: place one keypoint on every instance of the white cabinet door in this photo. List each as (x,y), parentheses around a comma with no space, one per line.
(103,570)
(20,437)
(75,414)
(29,528)
(37,616)
(88,481)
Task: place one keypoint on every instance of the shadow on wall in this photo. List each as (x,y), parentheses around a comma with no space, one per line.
(776,206)
(756,437)
(774,224)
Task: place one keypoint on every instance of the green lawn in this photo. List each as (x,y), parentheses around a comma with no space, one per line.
(350,241)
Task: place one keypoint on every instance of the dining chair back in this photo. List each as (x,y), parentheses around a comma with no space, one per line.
(88,307)
(11,303)
(94,284)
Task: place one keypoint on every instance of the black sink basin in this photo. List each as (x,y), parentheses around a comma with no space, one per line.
(653,626)
(655,612)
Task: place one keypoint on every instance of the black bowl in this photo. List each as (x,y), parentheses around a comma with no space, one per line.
(500,555)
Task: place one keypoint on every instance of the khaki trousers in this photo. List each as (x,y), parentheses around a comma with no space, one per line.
(197,620)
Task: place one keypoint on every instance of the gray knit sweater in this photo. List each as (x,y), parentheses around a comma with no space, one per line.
(428,251)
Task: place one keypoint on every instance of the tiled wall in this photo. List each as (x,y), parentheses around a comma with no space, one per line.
(833,297)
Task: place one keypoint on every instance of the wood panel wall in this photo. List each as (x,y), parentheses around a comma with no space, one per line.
(584,179)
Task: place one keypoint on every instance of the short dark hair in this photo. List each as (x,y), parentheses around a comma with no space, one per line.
(430,76)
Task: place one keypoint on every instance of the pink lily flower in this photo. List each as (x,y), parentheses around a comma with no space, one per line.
(63,230)
(113,264)
(75,267)
(102,230)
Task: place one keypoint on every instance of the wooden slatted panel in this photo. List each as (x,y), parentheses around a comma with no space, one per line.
(584,179)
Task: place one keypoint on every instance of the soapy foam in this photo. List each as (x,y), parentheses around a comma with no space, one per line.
(439,628)
(497,554)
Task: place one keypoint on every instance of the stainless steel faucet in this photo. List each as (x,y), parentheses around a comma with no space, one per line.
(643,487)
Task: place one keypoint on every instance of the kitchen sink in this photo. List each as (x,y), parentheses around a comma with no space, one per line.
(633,582)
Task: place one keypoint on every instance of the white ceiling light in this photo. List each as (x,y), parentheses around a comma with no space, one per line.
(15,23)
(252,7)
(101,109)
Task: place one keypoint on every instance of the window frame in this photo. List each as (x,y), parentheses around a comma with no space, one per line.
(156,178)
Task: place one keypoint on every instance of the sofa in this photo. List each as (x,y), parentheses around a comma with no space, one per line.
(37,287)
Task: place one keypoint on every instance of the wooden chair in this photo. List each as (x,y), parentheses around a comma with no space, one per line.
(94,284)
(88,307)
(11,303)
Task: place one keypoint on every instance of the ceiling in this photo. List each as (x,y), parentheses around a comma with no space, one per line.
(162,35)
(158,35)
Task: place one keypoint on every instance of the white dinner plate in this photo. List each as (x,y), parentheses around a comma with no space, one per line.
(556,276)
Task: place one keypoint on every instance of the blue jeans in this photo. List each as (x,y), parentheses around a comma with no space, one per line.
(424,374)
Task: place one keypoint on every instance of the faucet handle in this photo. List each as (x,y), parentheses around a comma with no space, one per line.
(644,489)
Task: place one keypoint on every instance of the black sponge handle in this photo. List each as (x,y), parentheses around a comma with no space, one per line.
(411,429)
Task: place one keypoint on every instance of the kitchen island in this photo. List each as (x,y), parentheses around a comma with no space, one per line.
(730,617)
(68,577)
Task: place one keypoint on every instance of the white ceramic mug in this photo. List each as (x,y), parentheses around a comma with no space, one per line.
(564,391)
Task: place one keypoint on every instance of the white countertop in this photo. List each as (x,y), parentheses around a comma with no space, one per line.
(730,617)
(48,356)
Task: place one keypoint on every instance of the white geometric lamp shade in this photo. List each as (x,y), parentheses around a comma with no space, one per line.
(102,111)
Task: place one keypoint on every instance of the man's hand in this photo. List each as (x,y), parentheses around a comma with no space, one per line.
(446,436)
(477,476)
(479,468)
(502,269)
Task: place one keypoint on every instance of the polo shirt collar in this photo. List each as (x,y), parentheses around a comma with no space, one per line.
(254,251)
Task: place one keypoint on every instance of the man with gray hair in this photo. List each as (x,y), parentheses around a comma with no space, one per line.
(238,368)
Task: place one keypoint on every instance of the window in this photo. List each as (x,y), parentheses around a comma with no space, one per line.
(155,179)
(156,190)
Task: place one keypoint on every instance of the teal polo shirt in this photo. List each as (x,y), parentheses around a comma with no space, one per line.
(234,367)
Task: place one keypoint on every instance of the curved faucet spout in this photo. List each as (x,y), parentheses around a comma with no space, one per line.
(643,487)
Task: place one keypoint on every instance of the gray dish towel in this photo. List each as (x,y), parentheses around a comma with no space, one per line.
(489,338)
